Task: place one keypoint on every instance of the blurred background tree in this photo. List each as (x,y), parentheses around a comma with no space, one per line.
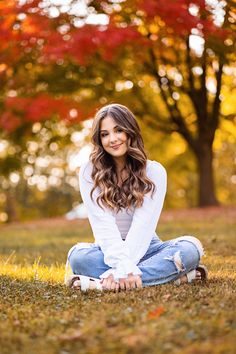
(172,65)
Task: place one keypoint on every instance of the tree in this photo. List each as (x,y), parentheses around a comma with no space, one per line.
(153,44)
(186,75)
(170,47)
(30,111)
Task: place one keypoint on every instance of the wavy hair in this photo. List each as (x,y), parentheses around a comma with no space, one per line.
(133,189)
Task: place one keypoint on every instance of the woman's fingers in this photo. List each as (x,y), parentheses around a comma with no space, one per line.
(128,284)
(109,283)
(122,283)
(104,283)
(139,282)
(113,286)
(131,282)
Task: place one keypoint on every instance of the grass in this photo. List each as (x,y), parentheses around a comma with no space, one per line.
(39,315)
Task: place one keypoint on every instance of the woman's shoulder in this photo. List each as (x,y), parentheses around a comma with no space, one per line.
(154,165)
(86,166)
(155,168)
(86,171)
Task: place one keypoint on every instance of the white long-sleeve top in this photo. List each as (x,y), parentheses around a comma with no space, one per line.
(122,256)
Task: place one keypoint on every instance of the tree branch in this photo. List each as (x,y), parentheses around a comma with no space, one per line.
(181,62)
(217,102)
(198,96)
(160,125)
(203,106)
(193,94)
(175,114)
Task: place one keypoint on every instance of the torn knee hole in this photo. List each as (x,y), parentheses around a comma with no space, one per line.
(177,261)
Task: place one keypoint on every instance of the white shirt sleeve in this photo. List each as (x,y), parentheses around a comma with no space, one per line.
(105,231)
(146,217)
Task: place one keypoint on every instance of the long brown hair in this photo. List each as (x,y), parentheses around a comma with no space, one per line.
(133,189)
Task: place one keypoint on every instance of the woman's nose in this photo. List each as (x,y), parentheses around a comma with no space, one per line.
(113,137)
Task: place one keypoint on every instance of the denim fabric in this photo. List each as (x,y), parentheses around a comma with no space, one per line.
(163,262)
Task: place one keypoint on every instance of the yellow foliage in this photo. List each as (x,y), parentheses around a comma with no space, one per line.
(228,103)
(179,145)
(153,28)
(143,30)
(227,132)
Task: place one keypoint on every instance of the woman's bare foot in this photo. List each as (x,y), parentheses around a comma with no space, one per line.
(184,278)
(199,274)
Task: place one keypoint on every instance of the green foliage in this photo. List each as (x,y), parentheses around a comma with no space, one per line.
(28,203)
(10,163)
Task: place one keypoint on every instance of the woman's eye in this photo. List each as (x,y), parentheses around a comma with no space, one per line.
(119,130)
(103,134)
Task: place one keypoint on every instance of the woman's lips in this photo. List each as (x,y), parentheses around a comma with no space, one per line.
(116,146)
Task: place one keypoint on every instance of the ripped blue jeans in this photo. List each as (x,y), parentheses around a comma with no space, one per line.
(164,261)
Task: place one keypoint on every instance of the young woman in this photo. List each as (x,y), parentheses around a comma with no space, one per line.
(124,194)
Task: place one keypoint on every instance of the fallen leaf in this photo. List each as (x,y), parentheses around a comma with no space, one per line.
(156,313)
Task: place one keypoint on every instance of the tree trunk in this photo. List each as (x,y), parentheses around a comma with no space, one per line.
(206,193)
(10,207)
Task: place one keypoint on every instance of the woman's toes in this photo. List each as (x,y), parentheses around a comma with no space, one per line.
(183,279)
(92,284)
(198,275)
(76,284)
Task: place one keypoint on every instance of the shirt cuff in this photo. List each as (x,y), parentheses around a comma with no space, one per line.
(122,270)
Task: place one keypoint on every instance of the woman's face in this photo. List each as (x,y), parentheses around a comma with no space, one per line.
(114,140)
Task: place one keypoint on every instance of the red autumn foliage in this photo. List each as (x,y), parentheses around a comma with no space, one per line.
(86,41)
(17,103)
(38,34)
(177,17)
(19,110)
(9,122)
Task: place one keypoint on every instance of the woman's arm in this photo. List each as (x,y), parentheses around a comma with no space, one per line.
(105,231)
(146,217)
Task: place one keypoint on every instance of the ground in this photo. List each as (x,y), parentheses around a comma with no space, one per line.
(39,315)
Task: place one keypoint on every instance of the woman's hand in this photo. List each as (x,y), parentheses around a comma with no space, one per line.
(110,284)
(133,281)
